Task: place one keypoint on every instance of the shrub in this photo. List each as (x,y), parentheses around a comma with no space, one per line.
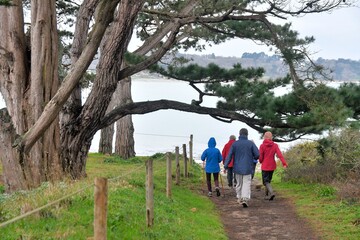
(325,160)
(344,150)
(306,165)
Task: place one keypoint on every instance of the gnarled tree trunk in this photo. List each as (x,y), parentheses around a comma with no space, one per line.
(27,88)
(85,126)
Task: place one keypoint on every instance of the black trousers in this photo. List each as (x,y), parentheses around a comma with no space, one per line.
(208,180)
(266,176)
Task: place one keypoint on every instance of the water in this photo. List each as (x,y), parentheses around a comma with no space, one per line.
(163,130)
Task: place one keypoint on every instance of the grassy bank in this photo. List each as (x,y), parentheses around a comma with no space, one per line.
(187,215)
(330,216)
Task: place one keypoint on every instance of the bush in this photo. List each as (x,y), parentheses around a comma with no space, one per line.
(306,165)
(344,150)
(332,160)
(325,160)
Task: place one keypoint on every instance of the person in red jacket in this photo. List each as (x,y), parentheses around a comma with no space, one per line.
(224,153)
(268,149)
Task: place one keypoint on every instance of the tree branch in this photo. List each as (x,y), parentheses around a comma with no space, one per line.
(152,106)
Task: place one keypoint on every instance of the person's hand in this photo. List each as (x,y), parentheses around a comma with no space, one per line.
(224,170)
(285,166)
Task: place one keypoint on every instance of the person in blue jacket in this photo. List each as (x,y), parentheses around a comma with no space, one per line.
(244,152)
(211,158)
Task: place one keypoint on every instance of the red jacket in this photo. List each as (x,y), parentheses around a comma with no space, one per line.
(226,151)
(268,149)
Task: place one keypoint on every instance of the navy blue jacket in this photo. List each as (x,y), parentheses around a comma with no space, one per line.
(244,152)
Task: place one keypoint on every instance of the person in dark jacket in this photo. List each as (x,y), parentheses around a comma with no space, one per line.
(268,150)
(244,152)
(224,153)
(211,158)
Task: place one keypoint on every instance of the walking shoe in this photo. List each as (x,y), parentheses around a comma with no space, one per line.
(210,194)
(217,192)
(272,197)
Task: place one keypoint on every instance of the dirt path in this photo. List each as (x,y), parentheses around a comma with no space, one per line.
(263,219)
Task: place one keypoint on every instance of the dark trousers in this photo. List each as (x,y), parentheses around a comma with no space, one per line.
(253,171)
(230,176)
(266,176)
(208,180)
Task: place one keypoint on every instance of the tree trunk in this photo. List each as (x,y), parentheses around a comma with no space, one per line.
(72,108)
(13,175)
(106,140)
(124,144)
(27,88)
(95,107)
(107,133)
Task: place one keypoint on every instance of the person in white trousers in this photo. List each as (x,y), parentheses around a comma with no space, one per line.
(244,152)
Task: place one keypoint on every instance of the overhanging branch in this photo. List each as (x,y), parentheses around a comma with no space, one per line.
(152,106)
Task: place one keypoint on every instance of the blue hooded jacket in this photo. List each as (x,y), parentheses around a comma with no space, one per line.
(244,152)
(213,157)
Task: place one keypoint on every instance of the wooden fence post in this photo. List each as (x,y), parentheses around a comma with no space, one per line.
(100,208)
(177,162)
(191,149)
(185,161)
(168,175)
(149,193)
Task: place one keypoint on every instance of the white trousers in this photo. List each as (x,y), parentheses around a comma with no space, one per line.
(243,186)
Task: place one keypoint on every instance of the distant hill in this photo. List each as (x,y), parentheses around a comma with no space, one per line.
(342,69)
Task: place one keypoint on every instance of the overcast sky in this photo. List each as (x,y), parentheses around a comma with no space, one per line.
(337,35)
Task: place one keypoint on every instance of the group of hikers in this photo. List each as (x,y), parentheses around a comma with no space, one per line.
(240,158)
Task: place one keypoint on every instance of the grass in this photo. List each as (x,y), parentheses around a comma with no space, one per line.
(330,216)
(186,215)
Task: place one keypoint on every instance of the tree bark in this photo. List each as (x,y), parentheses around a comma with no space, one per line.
(87,123)
(106,139)
(13,174)
(124,144)
(53,107)
(29,88)
(72,107)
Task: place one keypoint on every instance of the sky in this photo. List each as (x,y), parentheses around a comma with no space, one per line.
(337,35)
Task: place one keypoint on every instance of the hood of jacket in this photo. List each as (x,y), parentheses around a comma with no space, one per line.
(212,142)
(268,143)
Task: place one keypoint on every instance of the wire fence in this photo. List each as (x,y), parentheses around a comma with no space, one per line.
(36,210)
(113,179)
